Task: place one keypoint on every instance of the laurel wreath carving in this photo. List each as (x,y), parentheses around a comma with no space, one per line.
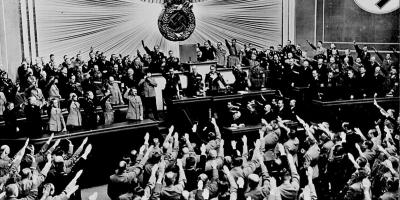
(168,32)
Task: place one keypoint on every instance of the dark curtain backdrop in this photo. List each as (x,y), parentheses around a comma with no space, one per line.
(118,26)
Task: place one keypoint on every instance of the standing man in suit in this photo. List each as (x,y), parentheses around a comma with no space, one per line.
(241,80)
(207,50)
(33,124)
(135,106)
(363,54)
(173,85)
(173,62)
(89,105)
(320,51)
(195,85)
(282,111)
(156,55)
(364,82)
(214,81)
(148,85)
(321,69)
(347,55)
(387,62)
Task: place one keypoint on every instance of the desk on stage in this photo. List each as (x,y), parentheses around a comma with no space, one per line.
(221,98)
(252,130)
(352,102)
(188,100)
(188,109)
(110,144)
(247,95)
(360,111)
(202,68)
(239,131)
(300,93)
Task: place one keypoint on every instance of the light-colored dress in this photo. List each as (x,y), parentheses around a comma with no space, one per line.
(54,92)
(3,102)
(74,115)
(116,95)
(56,120)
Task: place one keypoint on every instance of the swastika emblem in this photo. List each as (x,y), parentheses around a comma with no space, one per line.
(378,6)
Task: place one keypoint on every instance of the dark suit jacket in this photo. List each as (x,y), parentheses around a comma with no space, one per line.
(213,84)
(365,56)
(33,124)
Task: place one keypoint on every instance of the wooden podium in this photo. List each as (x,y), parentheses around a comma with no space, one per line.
(188,53)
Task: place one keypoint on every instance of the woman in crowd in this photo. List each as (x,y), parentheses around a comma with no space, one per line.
(74,119)
(52,88)
(56,121)
(3,102)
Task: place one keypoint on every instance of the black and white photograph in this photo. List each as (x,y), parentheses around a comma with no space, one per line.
(199,99)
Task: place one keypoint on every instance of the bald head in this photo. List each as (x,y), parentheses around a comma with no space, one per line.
(169,178)
(121,167)
(5,149)
(12,190)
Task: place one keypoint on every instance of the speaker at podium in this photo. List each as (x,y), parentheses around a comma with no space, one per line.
(188,53)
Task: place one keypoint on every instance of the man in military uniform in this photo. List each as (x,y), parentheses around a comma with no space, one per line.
(233,49)
(220,54)
(257,76)
(195,85)
(241,80)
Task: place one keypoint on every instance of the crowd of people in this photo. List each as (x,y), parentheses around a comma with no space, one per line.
(312,161)
(50,173)
(329,74)
(240,114)
(76,85)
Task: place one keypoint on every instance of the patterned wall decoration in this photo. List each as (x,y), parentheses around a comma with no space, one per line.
(118,26)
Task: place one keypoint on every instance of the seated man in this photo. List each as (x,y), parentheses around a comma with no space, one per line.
(214,81)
